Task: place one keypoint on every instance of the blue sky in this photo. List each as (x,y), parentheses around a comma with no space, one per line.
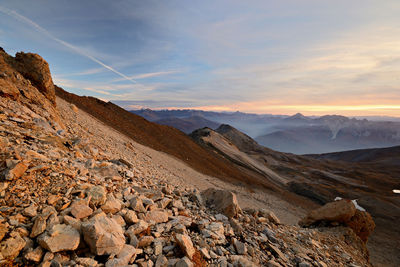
(315,57)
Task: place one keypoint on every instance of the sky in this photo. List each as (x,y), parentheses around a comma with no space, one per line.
(277,57)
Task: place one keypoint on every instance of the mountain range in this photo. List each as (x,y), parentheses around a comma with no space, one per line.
(296,134)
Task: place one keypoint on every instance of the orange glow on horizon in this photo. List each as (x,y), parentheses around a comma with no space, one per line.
(346,110)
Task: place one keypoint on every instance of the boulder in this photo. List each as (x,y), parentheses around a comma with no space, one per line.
(112,205)
(338,211)
(223,200)
(61,237)
(103,235)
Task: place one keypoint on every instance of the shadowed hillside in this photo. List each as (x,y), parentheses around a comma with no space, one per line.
(163,138)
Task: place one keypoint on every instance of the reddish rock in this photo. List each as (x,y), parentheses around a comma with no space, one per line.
(34,68)
(362,224)
(17,171)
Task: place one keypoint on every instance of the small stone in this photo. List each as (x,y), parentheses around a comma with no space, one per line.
(131,217)
(30,211)
(52,199)
(97,195)
(270,216)
(240,247)
(48,256)
(112,205)
(273,263)
(145,241)
(158,248)
(138,227)
(205,253)
(39,226)
(61,237)
(184,262)
(34,255)
(16,172)
(80,211)
(76,223)
(86,262)
(137,205)
(221,217)
(3,230)
(123,257)
(161,261)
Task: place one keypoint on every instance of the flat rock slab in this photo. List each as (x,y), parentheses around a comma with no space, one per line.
(61,237)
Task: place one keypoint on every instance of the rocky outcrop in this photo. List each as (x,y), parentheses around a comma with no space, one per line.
(26,78)
(362,224)
(342,212)
(34,68)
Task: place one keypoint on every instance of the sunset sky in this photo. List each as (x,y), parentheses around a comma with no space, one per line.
(280,57)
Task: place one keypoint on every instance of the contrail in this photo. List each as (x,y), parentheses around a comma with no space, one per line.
(77,50)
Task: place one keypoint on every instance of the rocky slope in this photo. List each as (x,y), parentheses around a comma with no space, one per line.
(321,181)
(74,192)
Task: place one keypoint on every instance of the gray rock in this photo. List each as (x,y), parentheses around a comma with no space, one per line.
(184,262)
(97,194)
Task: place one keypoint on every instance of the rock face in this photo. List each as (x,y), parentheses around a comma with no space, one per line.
(223,201)
(34,68)
(338,211)
(61,237)
(103,235)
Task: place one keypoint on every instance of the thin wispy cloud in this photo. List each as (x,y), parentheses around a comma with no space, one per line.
(149,75)
(74,48)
